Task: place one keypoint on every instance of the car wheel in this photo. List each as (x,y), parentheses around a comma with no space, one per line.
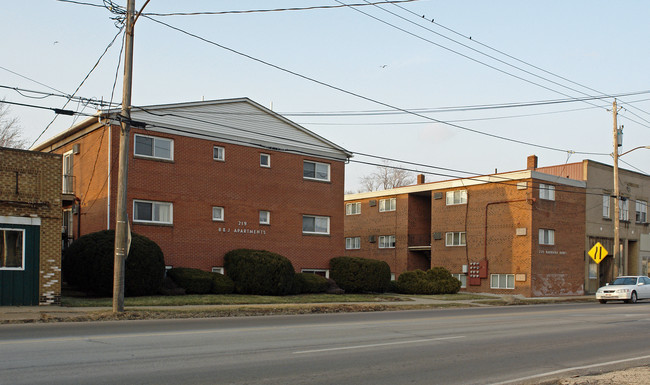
(633,297)
(602,300)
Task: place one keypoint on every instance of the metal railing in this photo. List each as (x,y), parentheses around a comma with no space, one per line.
(419,239)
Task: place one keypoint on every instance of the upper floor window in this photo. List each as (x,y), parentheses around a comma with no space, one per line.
(218,153)
(546,237)
(315,170)
(265,217)
(623,209)
(386,241)
(606,206)
(265,160)
(456,238)
(547,191)
(153,147)
(641,211)
(217,214)
(457,197)
(388,204)
(312,224)
(152,212)
(353,208)
(353,243)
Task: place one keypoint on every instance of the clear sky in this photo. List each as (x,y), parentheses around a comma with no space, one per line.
(392,60)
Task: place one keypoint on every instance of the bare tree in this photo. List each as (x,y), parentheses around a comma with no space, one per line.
(10,134)
(386,177)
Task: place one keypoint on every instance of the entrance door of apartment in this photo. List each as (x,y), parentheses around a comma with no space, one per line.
(19,264)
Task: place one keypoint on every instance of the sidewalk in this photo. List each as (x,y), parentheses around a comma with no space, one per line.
(29,314)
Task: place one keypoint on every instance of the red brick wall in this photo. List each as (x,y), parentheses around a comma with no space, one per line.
(193,182)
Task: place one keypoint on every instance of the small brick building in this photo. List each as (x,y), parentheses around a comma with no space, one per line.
(30,228)
(208,177)
(511,233)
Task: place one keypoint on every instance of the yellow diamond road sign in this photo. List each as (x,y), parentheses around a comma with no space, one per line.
(598,252)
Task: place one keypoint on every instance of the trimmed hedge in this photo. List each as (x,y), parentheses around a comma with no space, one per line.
(197,281)
(259,272)
(309,283)
(437,280)
(360,275)
(88,265)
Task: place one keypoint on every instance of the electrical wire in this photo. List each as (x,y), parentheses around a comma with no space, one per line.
(359,95)
(82,82)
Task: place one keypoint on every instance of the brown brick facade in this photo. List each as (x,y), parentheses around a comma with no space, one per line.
(30,188)
(501,223)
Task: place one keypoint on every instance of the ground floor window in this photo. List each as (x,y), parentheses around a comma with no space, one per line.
(462,278)
(322,272)
(502,281)
(217,269)
(593,270)
(152,212)
(12,249)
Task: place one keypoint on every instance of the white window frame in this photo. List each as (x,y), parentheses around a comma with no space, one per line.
(623,209)
(353,208)
(316,171)
(456,197)
(546,237)
(606,206)
(268,158)
(316,271)
(316,219)
(68,172)
(641,211)
(547,191)
(22,261)
(154,205)
(462,278)
(266,221)
(220,153)
(503,281)
(455,239)
(387,204)
(217,269)
(153,147)
(386,242)
(218,214)
(352,243)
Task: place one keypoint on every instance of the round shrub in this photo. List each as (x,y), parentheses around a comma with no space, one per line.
(259,272)
(88,264)
(443,281)
(222,284)
(414,282)
(194,281)
(309,283)
(360,275)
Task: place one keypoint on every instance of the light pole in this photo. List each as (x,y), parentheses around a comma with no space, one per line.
(618,141)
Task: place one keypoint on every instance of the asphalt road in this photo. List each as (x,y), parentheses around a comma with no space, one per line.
(496,345)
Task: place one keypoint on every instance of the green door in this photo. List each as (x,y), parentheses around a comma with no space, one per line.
(19,264)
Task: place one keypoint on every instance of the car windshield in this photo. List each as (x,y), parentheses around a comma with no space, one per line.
(625,281)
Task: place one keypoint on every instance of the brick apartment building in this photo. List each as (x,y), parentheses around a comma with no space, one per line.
(30,228)
(599,205)
(208,177)
(514,233)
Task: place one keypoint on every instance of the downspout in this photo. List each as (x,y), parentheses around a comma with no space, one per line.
(78,201)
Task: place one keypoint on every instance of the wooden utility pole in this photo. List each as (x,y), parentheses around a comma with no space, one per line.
(617,222)
(121,225)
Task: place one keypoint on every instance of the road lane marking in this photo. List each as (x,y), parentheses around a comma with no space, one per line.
(376,345)
(571,369)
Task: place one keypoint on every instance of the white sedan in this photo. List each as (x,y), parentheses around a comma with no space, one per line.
(628,289)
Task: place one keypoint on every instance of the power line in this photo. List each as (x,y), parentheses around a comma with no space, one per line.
(361,96)
(82,82)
